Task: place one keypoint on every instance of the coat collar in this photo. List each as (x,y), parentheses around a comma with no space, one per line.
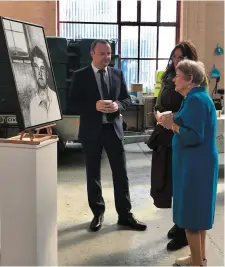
(196,89)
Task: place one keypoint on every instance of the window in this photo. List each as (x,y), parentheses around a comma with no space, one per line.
(88,11)
(16,39)
(145,35)
(96,31)
(130,15)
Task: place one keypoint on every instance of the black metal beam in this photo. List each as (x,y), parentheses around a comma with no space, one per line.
(124,23)
(157,33)
(139,37)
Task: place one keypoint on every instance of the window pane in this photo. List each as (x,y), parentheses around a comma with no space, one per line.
(129,68)
(96,31)
(17,26)
(162,64)
(88,10)
(149,10)
(7,24)
(167,37)
(128,10)
(10,40)
(168,10)
(147,74)
(20,43)
(148,42)
(129,41)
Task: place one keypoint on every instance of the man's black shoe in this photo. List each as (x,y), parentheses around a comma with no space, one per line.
(133,223)
(177,242)
(172,232)
(96,223)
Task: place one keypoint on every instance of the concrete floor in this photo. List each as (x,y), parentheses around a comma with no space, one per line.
(113,245)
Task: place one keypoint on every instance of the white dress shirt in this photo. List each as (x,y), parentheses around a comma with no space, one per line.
(98,80)
(39,114)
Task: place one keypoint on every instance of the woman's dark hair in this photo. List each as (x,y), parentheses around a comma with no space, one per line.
(188,51)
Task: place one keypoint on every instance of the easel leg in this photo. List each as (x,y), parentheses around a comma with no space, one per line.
(49,131)
(31,134)
(22,135)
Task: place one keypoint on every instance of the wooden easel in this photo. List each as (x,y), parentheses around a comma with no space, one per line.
(32,138)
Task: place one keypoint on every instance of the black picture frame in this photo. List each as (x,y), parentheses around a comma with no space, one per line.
(27,85)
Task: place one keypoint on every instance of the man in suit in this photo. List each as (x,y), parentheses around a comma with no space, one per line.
(99,95)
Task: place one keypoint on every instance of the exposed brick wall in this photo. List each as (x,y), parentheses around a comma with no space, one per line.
(37,12)
(203,23)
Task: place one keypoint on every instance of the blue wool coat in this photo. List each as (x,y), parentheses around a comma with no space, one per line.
(195,162)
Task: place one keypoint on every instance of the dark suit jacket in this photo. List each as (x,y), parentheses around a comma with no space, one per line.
(84,94)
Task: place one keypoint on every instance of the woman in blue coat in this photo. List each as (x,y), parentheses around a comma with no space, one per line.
(195,160)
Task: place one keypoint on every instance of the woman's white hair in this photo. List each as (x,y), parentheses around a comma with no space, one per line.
(194,70)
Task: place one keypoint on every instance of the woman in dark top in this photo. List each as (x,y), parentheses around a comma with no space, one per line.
(161,140)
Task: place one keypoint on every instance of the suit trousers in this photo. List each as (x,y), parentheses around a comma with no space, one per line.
(114,148)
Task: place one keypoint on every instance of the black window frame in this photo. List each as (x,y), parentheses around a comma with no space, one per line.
(137,23)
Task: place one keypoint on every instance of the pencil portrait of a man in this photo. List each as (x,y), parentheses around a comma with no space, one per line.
(44,105)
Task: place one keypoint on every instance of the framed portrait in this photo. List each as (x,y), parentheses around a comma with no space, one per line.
(28,86)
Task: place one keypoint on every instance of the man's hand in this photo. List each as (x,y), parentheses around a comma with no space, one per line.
(113,108)
(106,106)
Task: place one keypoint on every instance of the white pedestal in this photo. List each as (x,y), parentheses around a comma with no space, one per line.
(28,201)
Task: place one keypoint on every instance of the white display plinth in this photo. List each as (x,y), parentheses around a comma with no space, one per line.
(28,201)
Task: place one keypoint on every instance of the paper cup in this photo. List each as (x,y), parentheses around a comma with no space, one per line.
(166,113)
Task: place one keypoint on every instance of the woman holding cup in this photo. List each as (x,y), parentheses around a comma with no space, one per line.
(195,160)
(161,140)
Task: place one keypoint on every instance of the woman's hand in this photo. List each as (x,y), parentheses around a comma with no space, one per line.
(167,121)
(175,128)
(158,118)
